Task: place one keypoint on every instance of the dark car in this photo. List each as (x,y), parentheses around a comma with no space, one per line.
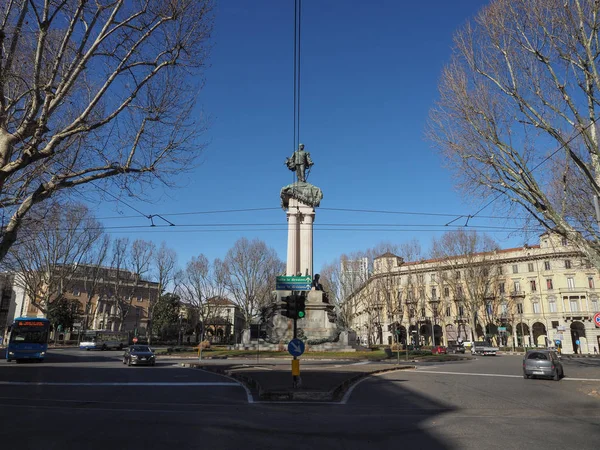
(456,348)
(542,363)
(139,355)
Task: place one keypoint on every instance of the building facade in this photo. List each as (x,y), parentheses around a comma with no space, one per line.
(110,299)
(544,295)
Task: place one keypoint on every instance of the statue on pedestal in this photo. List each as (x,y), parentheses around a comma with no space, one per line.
(302,191)
(300,162)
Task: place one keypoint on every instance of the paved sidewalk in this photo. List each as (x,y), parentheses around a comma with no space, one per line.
(273,382)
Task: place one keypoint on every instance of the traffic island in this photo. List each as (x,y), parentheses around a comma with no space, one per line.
(317,384)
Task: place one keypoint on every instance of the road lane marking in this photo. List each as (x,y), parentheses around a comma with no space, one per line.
(493,375)
(158,383)
(249,395)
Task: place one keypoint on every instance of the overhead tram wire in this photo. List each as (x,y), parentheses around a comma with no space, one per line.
(320,226)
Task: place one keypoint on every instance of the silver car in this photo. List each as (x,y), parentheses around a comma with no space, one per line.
(542,363)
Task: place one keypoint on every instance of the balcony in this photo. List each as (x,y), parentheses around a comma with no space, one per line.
(574,290)
(517,293)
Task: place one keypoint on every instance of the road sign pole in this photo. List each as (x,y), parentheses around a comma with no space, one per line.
(295,365)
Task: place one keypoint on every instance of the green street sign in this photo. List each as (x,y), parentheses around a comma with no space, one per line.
(293,283)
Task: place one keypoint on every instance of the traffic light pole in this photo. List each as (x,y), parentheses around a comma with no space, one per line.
(295,378)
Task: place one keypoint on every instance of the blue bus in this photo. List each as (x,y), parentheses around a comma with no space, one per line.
(28,339)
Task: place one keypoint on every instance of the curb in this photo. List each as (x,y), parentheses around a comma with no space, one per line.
(334,395)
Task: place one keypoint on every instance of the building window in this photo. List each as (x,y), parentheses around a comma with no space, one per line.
(433,293)
(488,308)
(504,308)
(446,292)
(571,283)
(552,304)
(448,311)
(515,268)
(546,265)
(137,312)
(422,293)
(536,307)
(76,292)
(564,241)
(501,288)
(555,324)
(517,286)
(574,304)
(461,311)
(420,278)
(140,299)
(500,271)
(459,291)
(457,275)
(567,264)
(591,282)
(530,267)
(433,280)
(532,285)
(519,308)
(594,304)
(549,284)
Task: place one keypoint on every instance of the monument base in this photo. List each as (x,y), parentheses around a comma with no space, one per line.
(316,330)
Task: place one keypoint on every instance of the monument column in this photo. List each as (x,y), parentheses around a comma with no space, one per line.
(293,241)
(306,239)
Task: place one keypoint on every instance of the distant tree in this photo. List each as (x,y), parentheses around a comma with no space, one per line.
(166,314)
(57,241)
(466,264)
(64,312)
(164,261)
(517,118)
(345,276)
(249,270)
(130,266)
(201,287)
(96,92)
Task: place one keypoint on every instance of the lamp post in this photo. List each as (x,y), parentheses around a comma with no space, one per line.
(180,328)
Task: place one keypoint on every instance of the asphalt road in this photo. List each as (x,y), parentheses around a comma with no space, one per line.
(90,400)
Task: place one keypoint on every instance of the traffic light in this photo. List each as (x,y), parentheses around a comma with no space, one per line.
(288,307)
(300,307)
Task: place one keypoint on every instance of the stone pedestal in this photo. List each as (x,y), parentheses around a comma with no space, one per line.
(315,326)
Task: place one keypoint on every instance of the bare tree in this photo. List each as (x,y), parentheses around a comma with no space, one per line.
(348,281)
(130,264)
(201,287)
(96,91)
(164,261)
(57,241)
(518,110)
(340,279)
(90,273)
(249,270)
(465,264)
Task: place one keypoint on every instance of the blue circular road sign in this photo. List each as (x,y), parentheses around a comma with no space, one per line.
(296,347)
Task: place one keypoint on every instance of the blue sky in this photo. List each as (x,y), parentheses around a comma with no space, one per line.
(369,77)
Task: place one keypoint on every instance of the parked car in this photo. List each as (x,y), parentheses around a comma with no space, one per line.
(542,363)
(139,355)
(439,350)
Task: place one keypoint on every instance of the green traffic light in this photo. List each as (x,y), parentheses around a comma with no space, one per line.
(301,314)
